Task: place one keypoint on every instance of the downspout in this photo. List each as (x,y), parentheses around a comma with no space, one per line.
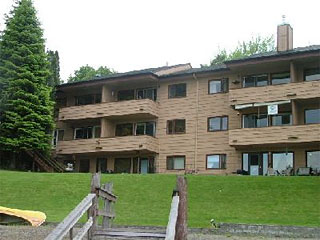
(196,130)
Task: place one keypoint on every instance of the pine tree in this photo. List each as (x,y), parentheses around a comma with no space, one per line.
(25,105)
(54,78)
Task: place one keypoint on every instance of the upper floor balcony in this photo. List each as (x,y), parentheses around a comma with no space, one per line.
(272,93)
(275,135)
(144,108)
(143,143)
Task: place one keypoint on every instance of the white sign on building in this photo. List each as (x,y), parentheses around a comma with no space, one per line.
(272,109)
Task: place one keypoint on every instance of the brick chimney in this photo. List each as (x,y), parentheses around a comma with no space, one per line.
(284,37)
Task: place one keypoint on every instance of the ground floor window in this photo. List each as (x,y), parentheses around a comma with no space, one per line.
(142,165)
(84,165)
(216,161)
(313,159)
(101,165)
(282,161)
(175,162)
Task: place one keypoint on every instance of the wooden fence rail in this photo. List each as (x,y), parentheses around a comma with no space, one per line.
(68,223)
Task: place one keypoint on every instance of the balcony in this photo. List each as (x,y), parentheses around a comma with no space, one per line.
(129,144)
(274,136)
(145,108)
(299,90)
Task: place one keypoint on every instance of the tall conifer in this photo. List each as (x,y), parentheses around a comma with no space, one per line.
(25,105)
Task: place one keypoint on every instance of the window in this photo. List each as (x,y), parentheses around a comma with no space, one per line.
(282,161)
(177,90)
(281,119)
(176,126)
(124,129)
(217,123)
(217,161)
(312,74)
(312,116)
(145,128)
(313,159)
(125,95)
(217,86)
(58,135)
(280,78)
(254,120)
(87,132)
(175,163)
(150,93)
(255,80)
(88,99)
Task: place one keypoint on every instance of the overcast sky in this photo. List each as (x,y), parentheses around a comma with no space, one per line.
(130,35)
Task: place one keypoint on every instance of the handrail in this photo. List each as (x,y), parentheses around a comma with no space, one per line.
(68,223)
(171,227)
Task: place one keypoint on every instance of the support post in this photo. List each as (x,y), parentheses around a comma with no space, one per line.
(95,185)
(106,221)
(182,226)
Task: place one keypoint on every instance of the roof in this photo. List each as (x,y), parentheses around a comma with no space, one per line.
(259,56)
(148,71)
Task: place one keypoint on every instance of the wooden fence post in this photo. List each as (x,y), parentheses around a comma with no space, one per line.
(95,185)
(106,221)
(182,226)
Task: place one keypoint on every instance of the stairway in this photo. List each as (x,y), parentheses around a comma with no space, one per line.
(46,163)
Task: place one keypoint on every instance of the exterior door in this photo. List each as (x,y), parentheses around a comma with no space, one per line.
(255,163)
(101,165)
(84,165)
(144,165)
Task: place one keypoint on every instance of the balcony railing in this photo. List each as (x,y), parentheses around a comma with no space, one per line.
(299,90)
(143,107)
(142,143)
(276,135)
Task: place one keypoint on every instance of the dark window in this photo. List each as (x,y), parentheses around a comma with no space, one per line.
(176,162)
(124,129)
(312,74)
(255,120)
(218,86)
(281,119)
(61,102)
(313,159)
(145,128)
(280,78)
(218,123)
(177,90)
(58,135)
(176,126)
(312,116)
(101,165)
(87,132)
(97,98)
(84,165)
(125,95)
(122,165)
(255,80)
(150,93)
(85,100)
(216,161)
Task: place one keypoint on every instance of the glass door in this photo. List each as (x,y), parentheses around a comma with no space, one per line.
(144,165)
(255,163)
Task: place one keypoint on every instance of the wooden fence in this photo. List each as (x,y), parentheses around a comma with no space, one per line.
(176,228)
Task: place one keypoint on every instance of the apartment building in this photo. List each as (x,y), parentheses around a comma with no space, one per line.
(248,114)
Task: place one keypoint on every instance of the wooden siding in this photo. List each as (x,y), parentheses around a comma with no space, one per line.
(109,109)
(275,135)
(298,90)
(110,145)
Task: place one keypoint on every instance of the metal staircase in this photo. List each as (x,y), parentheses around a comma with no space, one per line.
(46,163)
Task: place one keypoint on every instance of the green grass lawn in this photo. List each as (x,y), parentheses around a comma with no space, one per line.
(145,199)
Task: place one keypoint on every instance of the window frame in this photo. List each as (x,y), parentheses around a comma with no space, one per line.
(220,161)
(221,80)
(242,120)
(122,90)
(255,81)
(174,126)
(176,156)
(271,74)
(171,85)
(308,69)
(94,96)
(306,155)
(305,115)
(93,133)
(275,152)
(221,123)
(144,90)
(270,124)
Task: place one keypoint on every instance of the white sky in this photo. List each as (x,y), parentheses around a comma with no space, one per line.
(128,35)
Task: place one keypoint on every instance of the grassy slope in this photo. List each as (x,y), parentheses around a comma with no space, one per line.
(145,199)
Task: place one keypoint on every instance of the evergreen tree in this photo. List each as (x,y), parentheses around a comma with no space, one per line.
(54,78)
(26,108)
